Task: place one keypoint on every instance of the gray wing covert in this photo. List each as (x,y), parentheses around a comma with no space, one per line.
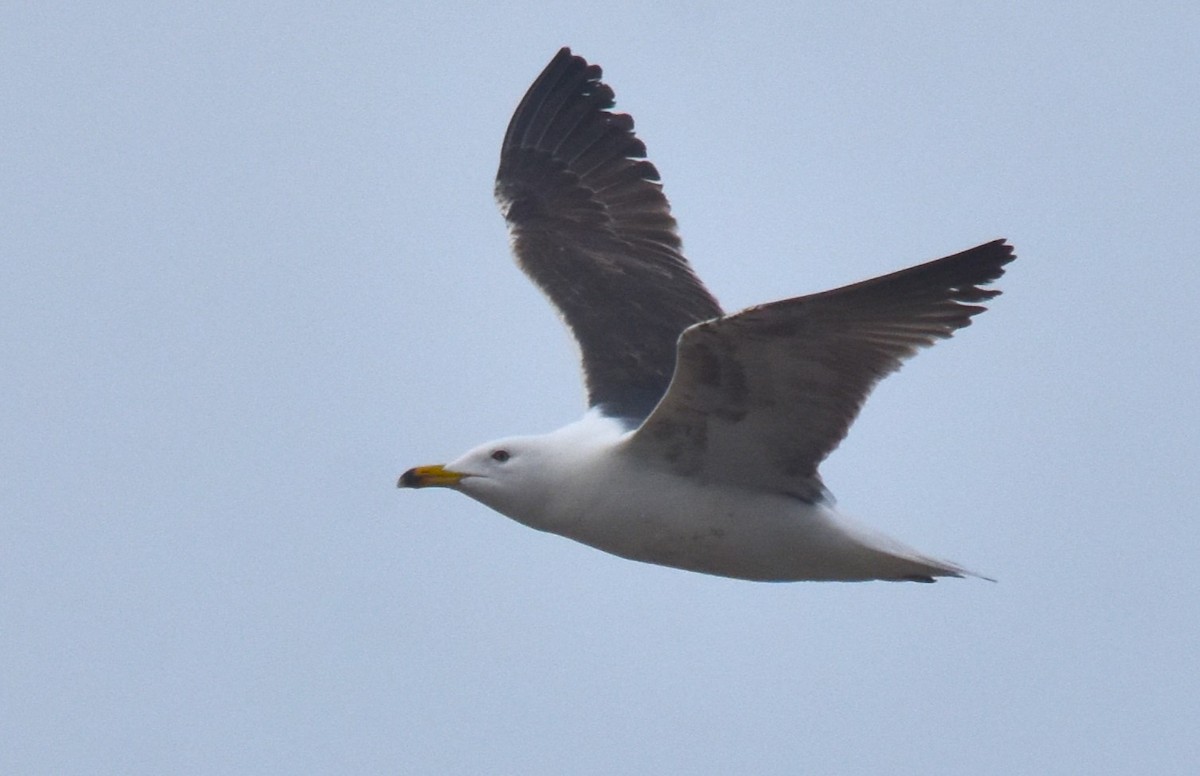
(762,396)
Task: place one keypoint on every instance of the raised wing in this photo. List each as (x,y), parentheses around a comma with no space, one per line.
(762,396)
(590,225)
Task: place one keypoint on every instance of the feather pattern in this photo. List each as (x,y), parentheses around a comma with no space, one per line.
(590,225)
(761,397)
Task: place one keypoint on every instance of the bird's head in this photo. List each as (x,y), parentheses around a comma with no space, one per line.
(512,476)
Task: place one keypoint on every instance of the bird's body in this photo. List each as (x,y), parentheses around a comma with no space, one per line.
(584,482)
(705,430)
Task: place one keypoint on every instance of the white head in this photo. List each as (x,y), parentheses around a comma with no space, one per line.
(529,478)
(513,476)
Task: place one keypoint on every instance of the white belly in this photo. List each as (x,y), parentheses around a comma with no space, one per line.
(716,529)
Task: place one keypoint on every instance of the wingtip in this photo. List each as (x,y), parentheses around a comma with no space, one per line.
(1005,249)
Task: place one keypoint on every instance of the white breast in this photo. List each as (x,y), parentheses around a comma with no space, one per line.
(620,504)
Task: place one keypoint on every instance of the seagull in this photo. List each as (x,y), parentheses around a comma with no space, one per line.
(704,430)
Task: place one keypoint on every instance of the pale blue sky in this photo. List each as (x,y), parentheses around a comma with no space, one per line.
(252,271)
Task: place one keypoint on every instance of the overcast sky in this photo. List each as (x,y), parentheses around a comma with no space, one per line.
(250,271)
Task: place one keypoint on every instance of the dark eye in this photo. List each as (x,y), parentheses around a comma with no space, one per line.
(500,455)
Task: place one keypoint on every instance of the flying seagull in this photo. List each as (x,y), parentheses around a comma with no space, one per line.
(704,430)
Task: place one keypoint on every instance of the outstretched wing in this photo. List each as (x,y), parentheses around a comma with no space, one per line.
(590,225)
(759,398)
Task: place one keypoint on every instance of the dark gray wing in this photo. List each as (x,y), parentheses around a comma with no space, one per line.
(589,223)
(759,398)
